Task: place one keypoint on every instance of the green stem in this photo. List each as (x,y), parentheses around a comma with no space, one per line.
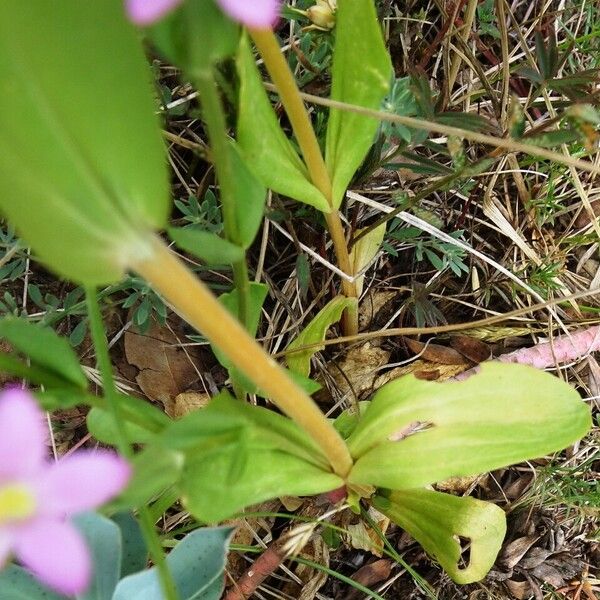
(110,392)
(214,116)
(288,91)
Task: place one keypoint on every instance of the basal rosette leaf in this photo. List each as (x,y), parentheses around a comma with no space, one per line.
(438,521)
(415,432)
(237,454)
(82,164)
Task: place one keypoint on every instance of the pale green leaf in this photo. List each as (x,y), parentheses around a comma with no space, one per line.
(18,584)
(264,146)
(299,362)
(196,564)
(506,414)
(437,520)
(206,245)
(83,174)
(361,73)
(364,251)
(103,539)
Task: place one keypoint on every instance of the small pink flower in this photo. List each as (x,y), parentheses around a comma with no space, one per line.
(257,14)
(37,496)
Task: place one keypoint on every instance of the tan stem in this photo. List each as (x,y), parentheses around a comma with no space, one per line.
(288,91)
(191,299)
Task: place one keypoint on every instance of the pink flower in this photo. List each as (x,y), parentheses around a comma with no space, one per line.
(37,496)
(257,14)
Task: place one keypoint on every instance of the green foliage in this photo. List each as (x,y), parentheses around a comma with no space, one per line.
(237,455)
(415,432)
(205,245)
(438,521)
(314,332)
(441,255)
(206,215)
(264,146)
(364,251)
(46,350)
(103,538)
(82,159)
(360,76)
(155,469)
(195,37)
(18,584)
(197,564)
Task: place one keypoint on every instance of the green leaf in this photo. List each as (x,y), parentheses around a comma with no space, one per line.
(101,424)
(361,73)
(18,584)
(195,36)
(196,563)
(205,245)
(299,362)
(364,251)
(264,146)
(83,174)
(103,538)
(226,416)
(154,470)
(250,196)
(437,521)
(240,471)
(238,454)
(44,348)
(503,415)
(134,556)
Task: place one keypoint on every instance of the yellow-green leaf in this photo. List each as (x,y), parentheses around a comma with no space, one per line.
(364,251)
(299,362)
(437,521)
(416,432)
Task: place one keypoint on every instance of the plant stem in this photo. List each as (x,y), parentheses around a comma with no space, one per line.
(110,391)
(288,91)
(214,116)
(197,305)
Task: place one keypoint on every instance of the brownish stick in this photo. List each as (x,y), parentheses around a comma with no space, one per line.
(263,566)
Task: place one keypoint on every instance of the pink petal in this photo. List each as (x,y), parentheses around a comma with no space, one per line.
(5,547)
(23,434)
(146,12)
(259,14)
(82,481)
(56,554)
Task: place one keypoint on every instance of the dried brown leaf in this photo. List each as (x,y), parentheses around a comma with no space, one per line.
(164,368)
(435,353)
(473,349)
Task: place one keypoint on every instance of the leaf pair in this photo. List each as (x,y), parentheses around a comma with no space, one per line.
(361,70)
(414,433)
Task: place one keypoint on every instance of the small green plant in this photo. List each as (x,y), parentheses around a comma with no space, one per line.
(97,194)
